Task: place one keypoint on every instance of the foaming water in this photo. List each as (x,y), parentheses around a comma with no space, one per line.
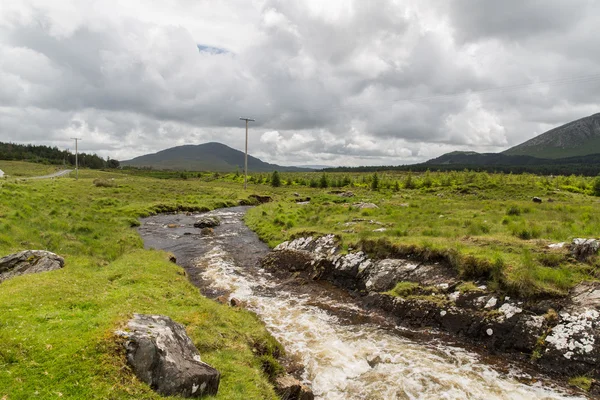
(345,360)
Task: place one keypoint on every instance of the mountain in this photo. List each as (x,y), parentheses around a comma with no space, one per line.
(205,157)
(473,158)
(577,138)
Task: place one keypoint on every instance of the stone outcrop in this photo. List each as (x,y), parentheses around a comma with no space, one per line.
(583,249)
(560,336)
(260,199)
(29,262)
(162,355)
(207,221)
(290,388)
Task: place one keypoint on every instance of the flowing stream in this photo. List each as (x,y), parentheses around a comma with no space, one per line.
(347,352)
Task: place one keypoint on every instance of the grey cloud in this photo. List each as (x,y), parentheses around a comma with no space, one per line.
(367,83)
(514,19)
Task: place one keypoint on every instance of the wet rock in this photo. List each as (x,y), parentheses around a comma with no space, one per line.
(290,388)
(477,315)
(374,360)
(163,356)
(586,295)
(172,258)
(261,199)
(536,200)
(207,221)
(207,231)
(384,274)
(583,249)
(29,262)
(171,226)
(287,260)
(233,302)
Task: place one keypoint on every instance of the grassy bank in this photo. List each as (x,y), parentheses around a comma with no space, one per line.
(22,169)
(56,328)
(484,225)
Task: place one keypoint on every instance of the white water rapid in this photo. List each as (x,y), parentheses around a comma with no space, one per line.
(348,359)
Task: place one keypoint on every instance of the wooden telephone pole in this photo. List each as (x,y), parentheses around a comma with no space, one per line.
(246,156)
(76,161)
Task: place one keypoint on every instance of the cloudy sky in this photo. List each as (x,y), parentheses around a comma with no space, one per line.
(336,82)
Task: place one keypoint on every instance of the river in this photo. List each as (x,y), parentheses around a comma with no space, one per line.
(348,353)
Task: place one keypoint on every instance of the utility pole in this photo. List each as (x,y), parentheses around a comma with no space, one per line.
(246,156)
(76,161)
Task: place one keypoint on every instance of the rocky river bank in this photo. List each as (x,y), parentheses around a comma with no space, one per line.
(559,336)
(341,334)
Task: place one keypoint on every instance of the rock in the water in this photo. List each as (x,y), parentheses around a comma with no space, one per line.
(29,262)
(582,249)
(207,231)
(163,356)
(207,222)
(290,388)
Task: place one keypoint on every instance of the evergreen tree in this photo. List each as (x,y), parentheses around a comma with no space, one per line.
(596,186)
(275,179)
(323,183)
(375,182)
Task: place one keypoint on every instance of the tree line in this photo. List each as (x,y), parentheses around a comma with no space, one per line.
(52,155)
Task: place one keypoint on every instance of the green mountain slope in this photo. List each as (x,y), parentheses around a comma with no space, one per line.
(204,157)
(577,138)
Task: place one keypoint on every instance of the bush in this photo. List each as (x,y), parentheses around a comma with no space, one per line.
(513,210)
(104,183)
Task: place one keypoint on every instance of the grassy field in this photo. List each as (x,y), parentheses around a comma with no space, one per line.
(485,225)
(22,169)
(56,328)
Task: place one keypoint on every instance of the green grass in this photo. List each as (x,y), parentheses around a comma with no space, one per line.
(22,169)
(582,382)
(56,328)
(403,289)
(484,225)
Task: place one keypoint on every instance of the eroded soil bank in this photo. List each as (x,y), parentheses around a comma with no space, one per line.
(345,344)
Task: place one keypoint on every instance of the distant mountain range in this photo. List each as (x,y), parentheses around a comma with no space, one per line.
(575,143)
(205,157)
(577,138)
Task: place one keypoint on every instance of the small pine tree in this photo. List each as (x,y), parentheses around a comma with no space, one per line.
(375,182)
(596,186)
(396,187)
(323,183)
(408,183)
(275,179)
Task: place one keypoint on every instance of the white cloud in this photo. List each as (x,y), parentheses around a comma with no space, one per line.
(337,82)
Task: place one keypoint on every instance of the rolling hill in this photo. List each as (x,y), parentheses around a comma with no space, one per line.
(576,138)
(205,157)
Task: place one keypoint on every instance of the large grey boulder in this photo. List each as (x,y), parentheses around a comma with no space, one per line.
(29,262)
(162,355)
(207,221)
(582,249)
